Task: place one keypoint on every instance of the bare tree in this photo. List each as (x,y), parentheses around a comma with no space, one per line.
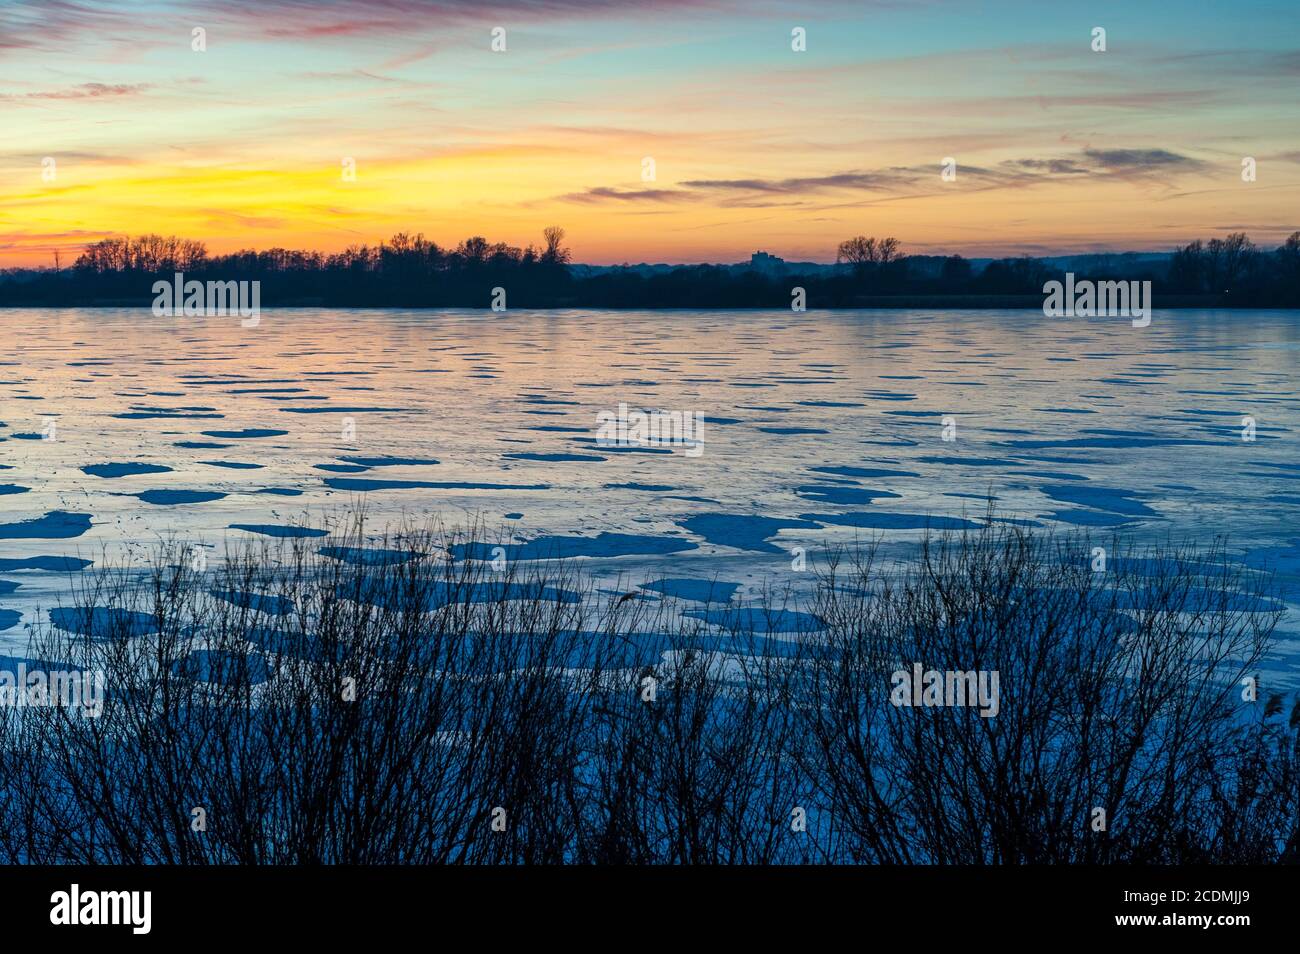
(864,250)
(857,251)
(555,251)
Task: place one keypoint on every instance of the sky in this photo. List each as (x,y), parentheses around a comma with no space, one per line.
(654,131)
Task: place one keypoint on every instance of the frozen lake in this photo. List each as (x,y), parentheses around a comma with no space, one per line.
(817,427)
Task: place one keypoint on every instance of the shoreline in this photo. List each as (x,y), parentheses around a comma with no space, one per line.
(872,302)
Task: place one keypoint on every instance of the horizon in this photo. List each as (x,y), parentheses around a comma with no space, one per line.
(745,259)
(119,125)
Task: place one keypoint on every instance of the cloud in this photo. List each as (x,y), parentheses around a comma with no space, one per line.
(735,191)
(69,240)
(90,91)
(891,179)
(605,193)
(1058,167)
(905,181)
(50,24)
(1122,163)
(18,159)
(1140,160)
(800,185)
(45,24)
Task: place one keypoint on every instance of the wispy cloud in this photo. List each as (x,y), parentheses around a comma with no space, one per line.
(1059,167)
(1140,160)
(43,24)
(607,194)
(904,180)
(88,91)
(878,179)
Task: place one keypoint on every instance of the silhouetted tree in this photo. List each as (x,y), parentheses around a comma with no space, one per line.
(1187,271)
(956,271)
(409,270)
(1013,276)
(868,251)
(555,253)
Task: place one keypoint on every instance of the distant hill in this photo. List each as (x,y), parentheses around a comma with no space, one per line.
(759,262)
(1117,264)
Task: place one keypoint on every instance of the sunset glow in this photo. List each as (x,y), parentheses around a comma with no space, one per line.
(755,145)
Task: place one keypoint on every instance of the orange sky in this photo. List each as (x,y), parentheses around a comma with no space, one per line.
(754,144)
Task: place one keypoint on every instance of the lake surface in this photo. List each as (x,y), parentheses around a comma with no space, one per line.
(817,428)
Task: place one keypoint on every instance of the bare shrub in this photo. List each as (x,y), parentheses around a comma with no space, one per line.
(393,700)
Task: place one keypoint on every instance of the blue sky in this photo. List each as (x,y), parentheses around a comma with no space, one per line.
(754,144)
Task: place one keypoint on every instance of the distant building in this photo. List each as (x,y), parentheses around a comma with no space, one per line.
(762,262)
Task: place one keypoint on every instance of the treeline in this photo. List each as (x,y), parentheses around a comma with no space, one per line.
(412,271)
(407,270)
